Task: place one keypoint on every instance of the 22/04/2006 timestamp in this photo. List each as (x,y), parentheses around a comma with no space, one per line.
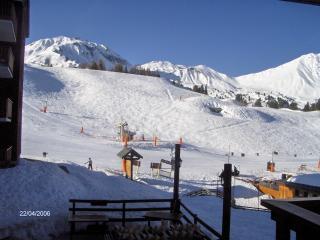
(33,213)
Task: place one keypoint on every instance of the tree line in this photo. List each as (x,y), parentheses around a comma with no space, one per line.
(279,103)
(99,65)
(200,89)
(135,70)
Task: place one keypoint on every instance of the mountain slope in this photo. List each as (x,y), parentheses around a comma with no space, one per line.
(70,52)
(190,76)
(298,78)
(100,100)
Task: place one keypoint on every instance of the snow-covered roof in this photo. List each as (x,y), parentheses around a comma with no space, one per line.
(129,153)
(312,179)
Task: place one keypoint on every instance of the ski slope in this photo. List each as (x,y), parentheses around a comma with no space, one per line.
(100,100)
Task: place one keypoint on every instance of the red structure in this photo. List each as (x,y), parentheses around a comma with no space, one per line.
(14,28)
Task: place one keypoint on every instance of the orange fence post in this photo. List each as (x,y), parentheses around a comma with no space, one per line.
(124,167)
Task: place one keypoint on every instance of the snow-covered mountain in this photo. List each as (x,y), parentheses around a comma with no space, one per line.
(299,78)
(70,52)
(193,75)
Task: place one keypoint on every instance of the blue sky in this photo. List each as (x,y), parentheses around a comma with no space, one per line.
(232,36)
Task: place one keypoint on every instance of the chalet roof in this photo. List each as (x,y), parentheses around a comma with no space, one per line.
(302,186)
(128,154)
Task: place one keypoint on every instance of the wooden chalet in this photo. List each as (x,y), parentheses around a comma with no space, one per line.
(14,28)
(280,189)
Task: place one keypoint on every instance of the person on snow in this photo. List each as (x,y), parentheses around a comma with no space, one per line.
(89,164)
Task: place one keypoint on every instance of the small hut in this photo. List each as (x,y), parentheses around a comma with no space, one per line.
(130,159)
(271,166)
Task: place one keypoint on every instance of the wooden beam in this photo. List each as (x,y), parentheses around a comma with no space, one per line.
(312,2)
(227,173)
(177,159)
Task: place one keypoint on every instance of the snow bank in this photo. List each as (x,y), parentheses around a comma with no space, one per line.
(43,186)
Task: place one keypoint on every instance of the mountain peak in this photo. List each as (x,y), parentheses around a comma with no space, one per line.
(63,51)
(298,78)
(189,76)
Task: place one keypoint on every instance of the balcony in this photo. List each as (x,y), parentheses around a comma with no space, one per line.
(6,110)
(300,215)
(7,21)
(5,156)
(6,62)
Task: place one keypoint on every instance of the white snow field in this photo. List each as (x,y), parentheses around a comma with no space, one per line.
(98,101)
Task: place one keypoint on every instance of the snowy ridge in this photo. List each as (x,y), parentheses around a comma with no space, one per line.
(194,75)
(298,78)
(70,52)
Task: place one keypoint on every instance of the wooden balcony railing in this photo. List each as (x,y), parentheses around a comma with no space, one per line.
(6,62)
(301,215)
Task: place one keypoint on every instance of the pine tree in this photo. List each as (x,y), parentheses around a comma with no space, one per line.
(307,107)
(293,106)
(195,88)
(206,89)
(118,68)
(313,107)
(201,89)
(94,66)
(273,103)
(318,104)
(101,65)
(258,103)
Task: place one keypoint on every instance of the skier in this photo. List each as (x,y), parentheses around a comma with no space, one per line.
(89,164)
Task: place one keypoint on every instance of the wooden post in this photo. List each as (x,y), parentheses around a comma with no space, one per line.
(155,141)
(282,231)
(177,159)
(131,168)
(81,131)
(226,201)
(180,140)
